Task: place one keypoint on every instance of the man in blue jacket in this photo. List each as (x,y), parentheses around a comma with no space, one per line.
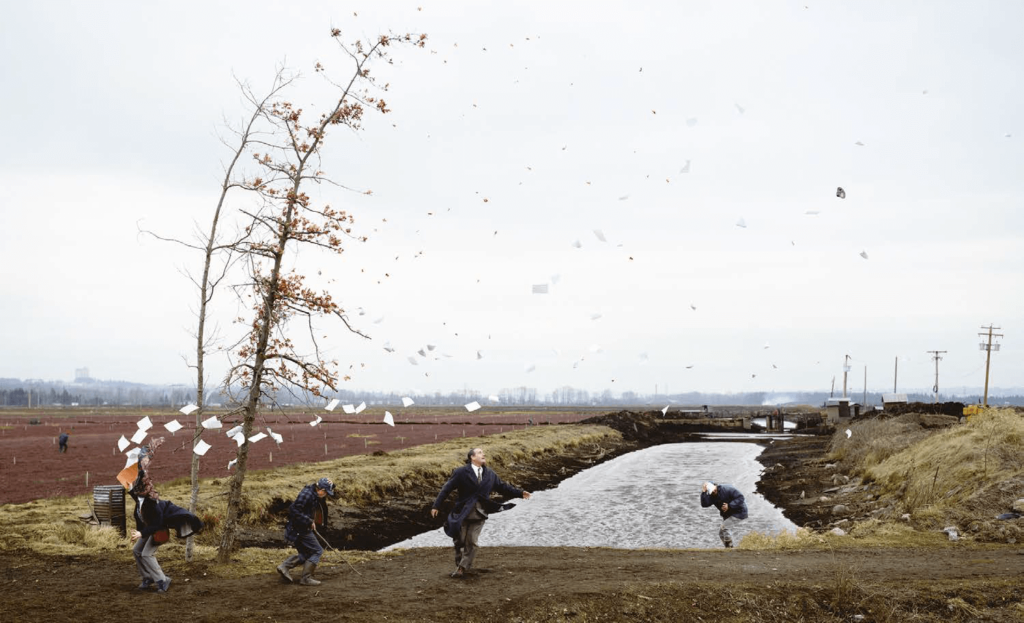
(62,442)
(308,509)
(730,505)
(474,483)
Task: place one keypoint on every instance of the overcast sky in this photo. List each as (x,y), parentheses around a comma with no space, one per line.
(567,117)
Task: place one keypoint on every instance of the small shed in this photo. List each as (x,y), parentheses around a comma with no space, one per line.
(839,410)
(893,399)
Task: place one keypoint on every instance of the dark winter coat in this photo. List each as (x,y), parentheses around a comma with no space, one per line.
(729,495)
(152,515)
(63,439)
(303,511)
(463,480)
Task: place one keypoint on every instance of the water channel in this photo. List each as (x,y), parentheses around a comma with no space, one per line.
(645,499)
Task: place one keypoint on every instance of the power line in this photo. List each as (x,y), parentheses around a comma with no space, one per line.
(936,356)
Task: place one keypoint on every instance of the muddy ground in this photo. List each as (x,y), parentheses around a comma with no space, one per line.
(544,584)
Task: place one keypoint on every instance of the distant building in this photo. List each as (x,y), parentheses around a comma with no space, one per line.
(839,410)
(891,399)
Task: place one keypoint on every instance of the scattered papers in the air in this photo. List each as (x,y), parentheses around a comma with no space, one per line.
(132,456)
(686,167)
(595,316)
(211,422)
(239,439)
(412,360)
(388,347)
(187,409)
(173,426)
(841,193)
(144,424)
(257,437)
(389,419)
(494,398)
(812,212)
(767,345)
(864,254)
(849,433)
(332,404)
(540,288)
(859,144)
(276,436)
(577,244)
(692,121)
(421,353)
(351,408)
(316,421)
(739,108)
(139,436)
(473,406)
(600,235)
(407,401)
(623,197)
(530,367)
(202,448)
(232,462)
(122,443)
(741,223)
(665,410)
(234,431)
(361,407)
(479,354)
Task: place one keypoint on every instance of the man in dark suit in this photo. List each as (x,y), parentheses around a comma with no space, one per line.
(474,483)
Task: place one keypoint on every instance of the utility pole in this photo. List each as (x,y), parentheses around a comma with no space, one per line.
(895,373)
(988,347)
(832,392)
(846,368)
(864,400)
(937,358)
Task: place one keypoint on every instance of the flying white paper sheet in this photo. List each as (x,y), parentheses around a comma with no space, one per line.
(133,456)
(388,347)
(202,448)
(494,398)
(864,254)
(187,409)
(234,431)
(840,193)
(407,401)
(421,353)
(316,421)
(596,316)
(577,244)
(479,354)
(389,419)
(277,437)
(473,406)
(145,423)
(741,223)
(540,288)
(665,410)
(692,121)
(257,437)
(232,462)
(849,433)
(530,367)
(332,404)
(348,408)
(173,426)
(600,235)
(361,407)
(139,436)
(211,422)
(122,443)
(239,439)
(412,360)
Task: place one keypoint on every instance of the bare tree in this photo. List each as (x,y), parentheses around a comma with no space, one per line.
(213,248)
(267,359)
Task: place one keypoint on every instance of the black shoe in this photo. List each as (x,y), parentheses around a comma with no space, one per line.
(459,572)
(161,587)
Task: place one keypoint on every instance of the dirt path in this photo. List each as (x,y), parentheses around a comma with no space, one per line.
(541,584)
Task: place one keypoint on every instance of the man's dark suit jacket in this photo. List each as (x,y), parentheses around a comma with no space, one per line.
(463,480)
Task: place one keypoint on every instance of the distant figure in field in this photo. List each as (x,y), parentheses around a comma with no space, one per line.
(308,509)
(154,518)
(474,483)
(730,505)
(62,442)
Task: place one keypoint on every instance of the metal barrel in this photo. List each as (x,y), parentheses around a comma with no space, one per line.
(108,503)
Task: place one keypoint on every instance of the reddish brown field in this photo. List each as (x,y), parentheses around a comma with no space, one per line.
(31,466)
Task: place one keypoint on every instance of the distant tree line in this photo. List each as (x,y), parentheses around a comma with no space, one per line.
(15,393)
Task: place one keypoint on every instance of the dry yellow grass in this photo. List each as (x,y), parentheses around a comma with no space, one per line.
(53,525)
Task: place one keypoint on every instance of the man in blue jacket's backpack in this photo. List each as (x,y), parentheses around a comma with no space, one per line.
(730,505)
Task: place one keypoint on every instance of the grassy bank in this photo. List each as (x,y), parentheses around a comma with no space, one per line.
(53,526)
